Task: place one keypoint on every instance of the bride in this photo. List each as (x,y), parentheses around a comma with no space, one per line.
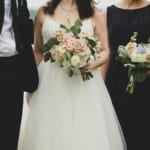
(67,113)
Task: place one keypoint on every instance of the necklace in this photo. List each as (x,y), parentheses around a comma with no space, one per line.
(68,12)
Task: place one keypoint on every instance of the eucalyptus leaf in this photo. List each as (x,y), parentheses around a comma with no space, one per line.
(143,65)
(78,23)
(64,27)
(76,29)
(123,60)
(48,45)
(139,75)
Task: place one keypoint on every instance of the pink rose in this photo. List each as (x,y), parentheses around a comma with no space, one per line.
(81,47)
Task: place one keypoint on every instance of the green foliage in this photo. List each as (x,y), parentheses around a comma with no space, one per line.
(135,75)
(64,27)
(143,65)
(139,74)
(91,42)
(133,37)
(48,45)
(76,28)
(47,56)
(123,60)
(70,72)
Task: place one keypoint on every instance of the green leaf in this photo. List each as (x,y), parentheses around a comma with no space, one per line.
(124,60)
(44,48)
(64,27)
(133,37)
(48,45)
(70,72)
(47,56)
(75,31)
(92,42)
(76,28)
(78,23)
(143,65)
(52,60)
(139,74)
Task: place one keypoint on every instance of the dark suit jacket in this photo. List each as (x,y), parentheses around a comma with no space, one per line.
(23,30)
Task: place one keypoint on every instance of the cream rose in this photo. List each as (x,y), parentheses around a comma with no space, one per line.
(75,61)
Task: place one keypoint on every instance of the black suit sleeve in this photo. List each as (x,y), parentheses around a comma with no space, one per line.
(30,70)
(27,22)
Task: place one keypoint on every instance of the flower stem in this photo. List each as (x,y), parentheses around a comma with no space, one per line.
(131,85)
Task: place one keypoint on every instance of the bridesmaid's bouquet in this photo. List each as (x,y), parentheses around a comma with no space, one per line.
(135,56)
(71,49)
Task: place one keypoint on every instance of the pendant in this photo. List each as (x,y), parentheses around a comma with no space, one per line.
(68,21)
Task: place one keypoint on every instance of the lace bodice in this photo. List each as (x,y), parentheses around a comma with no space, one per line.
(50,26)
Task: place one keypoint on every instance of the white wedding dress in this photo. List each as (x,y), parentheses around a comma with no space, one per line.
(69,113)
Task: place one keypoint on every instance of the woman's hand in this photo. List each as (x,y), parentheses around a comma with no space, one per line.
(91,65)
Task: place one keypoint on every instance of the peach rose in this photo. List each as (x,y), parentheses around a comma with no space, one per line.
(60,57)
(70,43)
(81,47)
(130,47)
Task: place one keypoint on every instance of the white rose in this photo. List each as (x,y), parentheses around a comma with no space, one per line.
(75,61)
(140,54)
(62,50)
(138,57)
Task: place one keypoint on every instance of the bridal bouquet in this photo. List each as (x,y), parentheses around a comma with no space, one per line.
(71,49)
(135,56)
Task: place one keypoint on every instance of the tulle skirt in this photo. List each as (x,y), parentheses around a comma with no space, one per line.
(70,114)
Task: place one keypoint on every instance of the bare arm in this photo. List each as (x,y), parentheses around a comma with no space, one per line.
(38,39)
(37,42)
(101,31)
(104,67)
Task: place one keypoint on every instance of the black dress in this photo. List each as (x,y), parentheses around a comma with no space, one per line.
(133,110)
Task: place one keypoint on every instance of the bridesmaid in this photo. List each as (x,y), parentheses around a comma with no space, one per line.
(123,19)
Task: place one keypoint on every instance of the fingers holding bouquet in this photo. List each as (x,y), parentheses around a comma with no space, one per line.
(90,66)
